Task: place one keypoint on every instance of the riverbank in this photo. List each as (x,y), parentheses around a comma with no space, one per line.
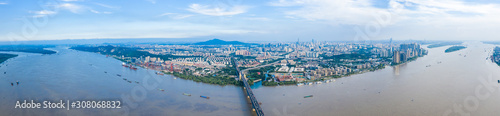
(4,57)
(28,48)
(323,79)
(215,79)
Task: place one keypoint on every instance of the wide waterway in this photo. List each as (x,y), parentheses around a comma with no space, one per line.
(412,89)
(409,89)
(75,75)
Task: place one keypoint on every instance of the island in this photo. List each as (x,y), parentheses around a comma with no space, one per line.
(444,44)
(492,42)
(270,64)
(4,57)
(495,57)
(454,48)
(28,48)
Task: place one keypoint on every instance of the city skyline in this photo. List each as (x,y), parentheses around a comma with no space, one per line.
(280,20)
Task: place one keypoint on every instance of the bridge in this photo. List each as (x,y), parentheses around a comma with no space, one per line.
(255,104)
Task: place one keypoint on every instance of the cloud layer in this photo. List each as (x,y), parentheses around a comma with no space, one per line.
(217,11)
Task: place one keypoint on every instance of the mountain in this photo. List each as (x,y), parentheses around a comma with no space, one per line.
(220,42)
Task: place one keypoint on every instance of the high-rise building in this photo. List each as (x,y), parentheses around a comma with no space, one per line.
(403,57)
(396,58)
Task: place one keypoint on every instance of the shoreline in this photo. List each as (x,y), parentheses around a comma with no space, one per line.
(4,57)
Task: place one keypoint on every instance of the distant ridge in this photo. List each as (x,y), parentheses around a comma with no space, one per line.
(216,41)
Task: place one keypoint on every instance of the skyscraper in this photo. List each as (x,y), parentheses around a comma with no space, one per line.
(396,58)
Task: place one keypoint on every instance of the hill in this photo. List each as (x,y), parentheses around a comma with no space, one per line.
(220,42)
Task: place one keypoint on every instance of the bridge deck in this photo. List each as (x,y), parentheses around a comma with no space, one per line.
(255,103)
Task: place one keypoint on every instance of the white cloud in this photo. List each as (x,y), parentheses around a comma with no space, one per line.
(431,19)
(140,29)
(152,1)
(331,11)
(107,6)
(98,12)
(176,15)
(217,11)
(258,18)
(3,3)
(43,13)
(74,8)
(362,11)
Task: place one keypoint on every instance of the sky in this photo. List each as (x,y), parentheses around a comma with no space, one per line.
(250,20)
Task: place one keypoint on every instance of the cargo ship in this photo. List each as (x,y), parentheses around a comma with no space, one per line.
(124,65)
(308,96)
(205,97)
(132,67)
(159,73)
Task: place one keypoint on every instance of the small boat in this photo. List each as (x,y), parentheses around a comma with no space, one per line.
(124,79)
(161,89)
(205,97)
(175,77)
(124,65)
(105,72)
(319,82)
(498,81)
(428,66)
(129,81)
(159,73)
(308,96)
(136,82)
(300,84)
(310,83)
(118,75)
(186,94)
(132,67)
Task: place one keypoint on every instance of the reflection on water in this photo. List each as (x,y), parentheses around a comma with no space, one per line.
(396,70)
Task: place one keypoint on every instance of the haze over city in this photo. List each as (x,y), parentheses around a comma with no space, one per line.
(256,20)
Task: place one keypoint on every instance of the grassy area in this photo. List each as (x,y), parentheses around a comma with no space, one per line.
(211,79)
(254,73)
(4,57)
(123,51)
(454,48)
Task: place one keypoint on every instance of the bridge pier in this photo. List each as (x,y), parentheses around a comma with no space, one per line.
(255,104)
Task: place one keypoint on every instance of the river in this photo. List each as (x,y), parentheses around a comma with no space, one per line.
(411,89)
(408,89)
(75,75)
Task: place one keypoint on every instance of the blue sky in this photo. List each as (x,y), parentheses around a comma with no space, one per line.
(250,20)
